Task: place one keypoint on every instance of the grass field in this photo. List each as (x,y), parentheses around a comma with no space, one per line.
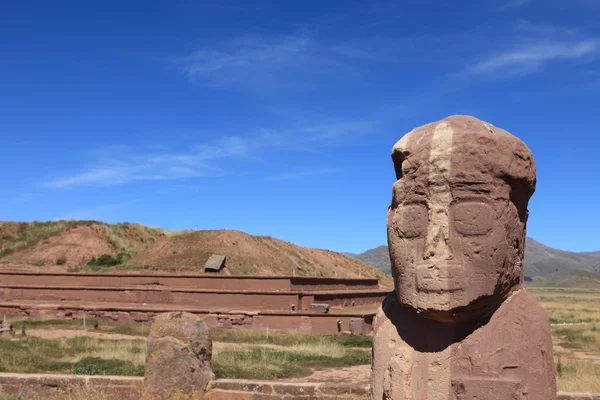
(259,357)
(250,354)
(575,318)
(79,355)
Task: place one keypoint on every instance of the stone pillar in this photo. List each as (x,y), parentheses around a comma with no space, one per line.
(178,358)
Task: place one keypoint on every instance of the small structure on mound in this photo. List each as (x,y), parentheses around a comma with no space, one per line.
(215,263)
(178,358)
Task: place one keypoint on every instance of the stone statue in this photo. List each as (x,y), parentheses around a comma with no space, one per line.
(460,324)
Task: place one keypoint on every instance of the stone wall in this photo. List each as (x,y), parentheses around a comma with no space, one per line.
(58,387)
(235,389)
(315,323)
(208,298)
(186,281)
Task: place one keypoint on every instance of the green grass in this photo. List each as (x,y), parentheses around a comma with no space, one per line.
(267,363)
(42,323)
(104,325)
(279,356)
(258,336)
(10,397)
(131,329)
(97,268)
(73,356)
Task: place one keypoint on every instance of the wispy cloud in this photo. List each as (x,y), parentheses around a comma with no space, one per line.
(254,60)
(319,133)
(283,61)
(119,165)
(530,57)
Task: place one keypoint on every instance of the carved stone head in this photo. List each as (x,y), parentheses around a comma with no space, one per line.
(456,225)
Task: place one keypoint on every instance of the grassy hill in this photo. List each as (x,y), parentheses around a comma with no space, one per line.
(92,245)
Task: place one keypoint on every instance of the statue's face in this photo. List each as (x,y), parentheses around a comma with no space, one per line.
(452,248)
(456,244)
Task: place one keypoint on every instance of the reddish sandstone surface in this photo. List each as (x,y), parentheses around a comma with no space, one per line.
(460,324)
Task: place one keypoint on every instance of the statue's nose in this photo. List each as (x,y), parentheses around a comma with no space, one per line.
(437,243)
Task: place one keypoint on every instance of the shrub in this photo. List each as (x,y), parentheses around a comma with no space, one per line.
(6,251)
(61,260)
(108,260)
(559,368)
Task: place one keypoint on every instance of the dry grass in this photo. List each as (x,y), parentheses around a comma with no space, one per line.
(585,338)
(577,346)
(577,375)
(563,310)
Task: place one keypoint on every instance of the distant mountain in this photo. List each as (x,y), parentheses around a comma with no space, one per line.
(578,279)
(592,254)
(544,262)
(378,257)
(541,262)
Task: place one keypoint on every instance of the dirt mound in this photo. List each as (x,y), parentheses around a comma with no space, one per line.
(69,243)
(75,246)
(248,254)
(63,245)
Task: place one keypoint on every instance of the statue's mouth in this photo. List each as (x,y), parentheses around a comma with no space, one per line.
(439,278)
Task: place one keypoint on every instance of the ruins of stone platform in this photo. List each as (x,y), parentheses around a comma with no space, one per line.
(59,387)
(279,303)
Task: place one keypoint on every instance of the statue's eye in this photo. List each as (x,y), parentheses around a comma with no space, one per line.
(411,220)
(472,218)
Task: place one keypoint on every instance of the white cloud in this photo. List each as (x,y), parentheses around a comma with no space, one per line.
(125,165)
(252,60)
(528,58)
(118,165)
(284,61)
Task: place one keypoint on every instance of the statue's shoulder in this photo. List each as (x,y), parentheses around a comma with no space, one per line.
(523,305)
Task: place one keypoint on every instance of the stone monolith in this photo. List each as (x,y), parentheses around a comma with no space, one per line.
(460,324)
(178,358)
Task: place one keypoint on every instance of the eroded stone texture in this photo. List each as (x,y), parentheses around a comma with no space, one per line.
(178,358)
(460,324)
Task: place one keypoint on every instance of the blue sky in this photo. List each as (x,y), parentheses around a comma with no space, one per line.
(277,118)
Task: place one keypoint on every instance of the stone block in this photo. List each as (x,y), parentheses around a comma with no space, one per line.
(356,326)
(178,358)
(319,307)
(215,263)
